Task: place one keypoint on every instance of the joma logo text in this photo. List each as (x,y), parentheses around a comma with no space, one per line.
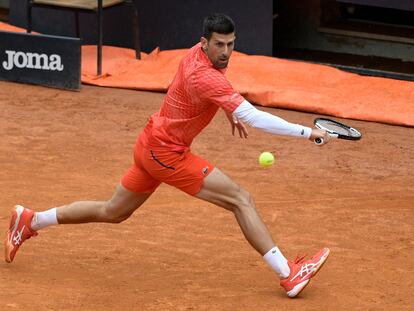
(32,61)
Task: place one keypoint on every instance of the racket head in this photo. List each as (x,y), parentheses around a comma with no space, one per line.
(338,129)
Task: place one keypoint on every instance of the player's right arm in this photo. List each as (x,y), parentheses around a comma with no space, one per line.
(270,123)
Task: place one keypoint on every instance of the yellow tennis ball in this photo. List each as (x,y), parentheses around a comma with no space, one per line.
(266,159)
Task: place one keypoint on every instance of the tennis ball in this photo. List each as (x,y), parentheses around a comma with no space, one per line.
(266,159)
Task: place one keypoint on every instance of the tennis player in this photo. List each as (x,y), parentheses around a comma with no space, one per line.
(162,155)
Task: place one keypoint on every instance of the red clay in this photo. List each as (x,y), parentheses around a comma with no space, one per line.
(179,253)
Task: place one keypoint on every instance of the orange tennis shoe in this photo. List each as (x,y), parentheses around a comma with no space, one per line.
(301,271)
(19,231)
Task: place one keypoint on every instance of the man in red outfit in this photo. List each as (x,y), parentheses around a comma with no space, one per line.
(162,155)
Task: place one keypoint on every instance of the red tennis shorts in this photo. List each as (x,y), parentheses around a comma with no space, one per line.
(151,167)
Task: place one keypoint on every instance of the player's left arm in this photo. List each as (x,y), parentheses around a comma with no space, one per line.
(236,123)
(213,87)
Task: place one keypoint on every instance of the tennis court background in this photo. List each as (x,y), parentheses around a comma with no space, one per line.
(178,253)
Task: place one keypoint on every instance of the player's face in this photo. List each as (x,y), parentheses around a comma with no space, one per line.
(219,48)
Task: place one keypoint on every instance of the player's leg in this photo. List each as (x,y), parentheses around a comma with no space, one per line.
(25,223)
(117,209)
(135,188)
(197,177)
(219,189)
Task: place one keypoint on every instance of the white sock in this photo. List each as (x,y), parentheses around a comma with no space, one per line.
(278,262)
(44,219)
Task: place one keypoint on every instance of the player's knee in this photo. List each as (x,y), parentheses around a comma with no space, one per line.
(112,214)
(244,201)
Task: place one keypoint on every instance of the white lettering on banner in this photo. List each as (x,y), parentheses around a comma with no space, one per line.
(32,61)
(20,60)
(38,60)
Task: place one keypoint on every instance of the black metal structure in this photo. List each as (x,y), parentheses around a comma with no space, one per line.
(96,7)
(164,24)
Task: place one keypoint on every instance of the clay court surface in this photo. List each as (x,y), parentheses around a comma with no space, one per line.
(179,253)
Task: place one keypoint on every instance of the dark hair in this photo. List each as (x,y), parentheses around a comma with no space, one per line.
(219,23)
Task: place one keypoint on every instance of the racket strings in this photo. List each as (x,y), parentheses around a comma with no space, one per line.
(333,127)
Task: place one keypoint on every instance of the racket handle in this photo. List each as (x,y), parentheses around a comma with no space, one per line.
(318,141)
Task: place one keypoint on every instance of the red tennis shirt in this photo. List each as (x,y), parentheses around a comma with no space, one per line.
(196,93)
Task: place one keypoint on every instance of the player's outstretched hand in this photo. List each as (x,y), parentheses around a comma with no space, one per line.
(236,123)
(317,133)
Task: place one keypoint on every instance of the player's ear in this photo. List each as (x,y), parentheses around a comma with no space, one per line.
(204,43)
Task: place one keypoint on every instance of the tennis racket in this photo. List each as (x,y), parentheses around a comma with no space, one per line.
(336,129)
